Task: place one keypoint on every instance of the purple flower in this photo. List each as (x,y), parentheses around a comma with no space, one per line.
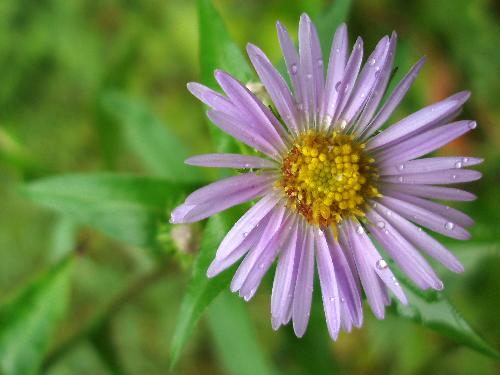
(330,182)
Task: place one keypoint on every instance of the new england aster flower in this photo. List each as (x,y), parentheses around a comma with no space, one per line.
(330,182)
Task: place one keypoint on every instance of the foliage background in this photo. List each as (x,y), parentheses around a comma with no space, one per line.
(76,79)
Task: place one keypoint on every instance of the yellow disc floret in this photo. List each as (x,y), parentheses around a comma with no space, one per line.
(327,177)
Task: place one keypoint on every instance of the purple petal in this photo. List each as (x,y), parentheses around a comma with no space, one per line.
(449,176)
(349,78)
(284,277)
(352,240)
(379,88)
(427,165)
(347,282)
(423,143)
(304,286)
(266,258)
(274,225)
(425,118)
(403,253)
(244,133)
(291,59)
(336,66)
(394,99)
(368,78)
(228,186)
(191,212)
(212,98)
(328,281)
(426,218)
(311,69)
(220,264)
(447,212)
(276,87)
(421,239)
(428,191)
(230,161)
(246,224)
(252,110)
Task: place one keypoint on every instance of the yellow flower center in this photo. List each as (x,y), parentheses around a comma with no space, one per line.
(327,177)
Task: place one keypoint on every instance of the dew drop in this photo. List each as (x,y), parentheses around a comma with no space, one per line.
(375,205)
(386,231)
(247,165)
(393,278)
(343,124)
(342,299)
(372,61)
(438,285)
(320,63)
(332,299)
(381,224)
(245,234)
(396,283)
(454,177)
(420,229)
(388,212)
(294,69)
(472,125)
(381,264)
(360,229)
(401,167)
(449,225)
(401,179)
(458,164)
(309,76)
(465,160)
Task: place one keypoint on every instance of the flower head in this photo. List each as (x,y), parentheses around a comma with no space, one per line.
(330,182)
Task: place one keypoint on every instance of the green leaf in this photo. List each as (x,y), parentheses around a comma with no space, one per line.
(128,208)
(329,20)
(235,340)
(152,141)
(201,290)
(434,311)
(218,51)
(29,320)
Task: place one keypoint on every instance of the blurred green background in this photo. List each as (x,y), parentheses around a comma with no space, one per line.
(60,63)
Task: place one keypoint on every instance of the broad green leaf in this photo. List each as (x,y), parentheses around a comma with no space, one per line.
(235,340)
(218,51)
(201,290)
(29,320)
(128,208)
(328,22)
(434,311)
(152,141)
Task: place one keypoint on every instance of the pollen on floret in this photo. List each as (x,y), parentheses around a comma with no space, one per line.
(327,177)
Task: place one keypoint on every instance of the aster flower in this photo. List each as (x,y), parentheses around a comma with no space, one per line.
(330,182)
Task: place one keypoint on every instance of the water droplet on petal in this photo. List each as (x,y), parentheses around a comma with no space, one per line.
(472,125)
(401,167)
(393,278)
(381,264)
(245,234)
(294,69)
(396,283)
(360,229)
(454,177)
(458,164)
(343,124)
(386,231)
(375,205)
(381,224)
(438,285)
(372,61)
(342,299)
(420,229)
(401,179)
(320,63)
(465,160)
(449,225)
(332,299)
(247,165)
(309,76)
(388,212)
